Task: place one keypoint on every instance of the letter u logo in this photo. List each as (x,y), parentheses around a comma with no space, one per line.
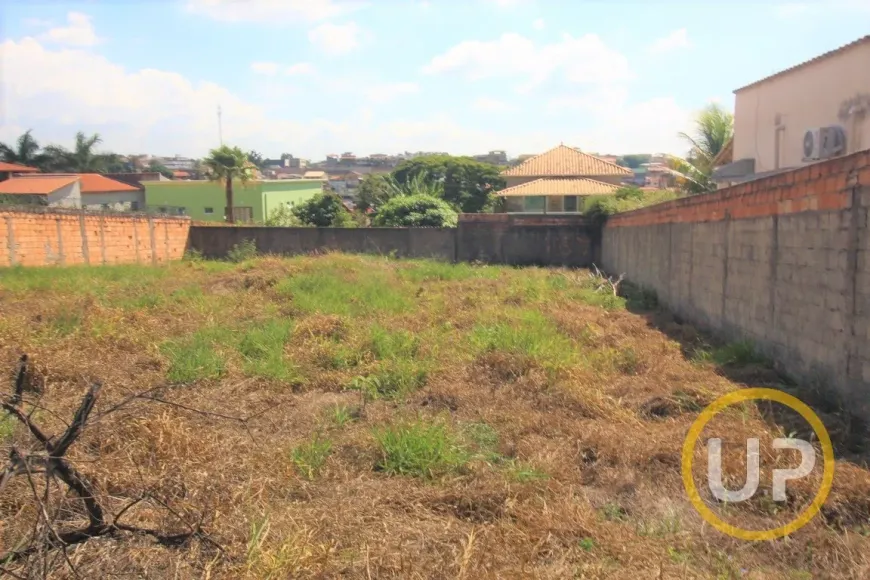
(714,472)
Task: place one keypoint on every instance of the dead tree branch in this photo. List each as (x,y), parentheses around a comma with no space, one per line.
(49,458)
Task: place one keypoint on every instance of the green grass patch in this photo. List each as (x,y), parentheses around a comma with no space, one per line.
(196,357)
(530,334)
(393,379)
(483,439)
(309,457)
(330,292)
(521,472)
(341,415)
(430,270)
(419,449)
(392,345)
(64,324)
(7,427)
(262,348)
(738,353)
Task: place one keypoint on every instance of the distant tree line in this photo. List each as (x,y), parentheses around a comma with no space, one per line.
(82,158)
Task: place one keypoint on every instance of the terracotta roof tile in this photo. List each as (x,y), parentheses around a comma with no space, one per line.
(93,182)
(564,186)
(17,168)
(35,185)
(824,55)
(563,161)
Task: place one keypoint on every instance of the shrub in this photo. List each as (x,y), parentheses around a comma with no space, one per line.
(323,210)
(283,217)
(244,250)
(416,210)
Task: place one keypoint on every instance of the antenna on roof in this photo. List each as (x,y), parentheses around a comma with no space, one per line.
(220,127)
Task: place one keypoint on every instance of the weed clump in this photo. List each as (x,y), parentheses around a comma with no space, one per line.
(419,449)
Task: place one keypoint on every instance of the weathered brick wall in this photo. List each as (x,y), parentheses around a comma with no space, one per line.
(49,237)
(783,261)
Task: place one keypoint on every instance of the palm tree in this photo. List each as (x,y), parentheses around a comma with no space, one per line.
(420,184)
(226,164)
(82,159)
(25,152)
(714,127)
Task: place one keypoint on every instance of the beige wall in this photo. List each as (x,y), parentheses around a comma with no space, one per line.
(805,98)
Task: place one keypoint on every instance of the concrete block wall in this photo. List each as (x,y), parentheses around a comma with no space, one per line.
(216,242)
(64,237)
(783,261)
(528,239)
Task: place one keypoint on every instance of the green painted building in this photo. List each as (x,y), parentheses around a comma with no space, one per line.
(206,200)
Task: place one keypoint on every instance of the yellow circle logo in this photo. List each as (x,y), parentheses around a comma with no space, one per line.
(750,395)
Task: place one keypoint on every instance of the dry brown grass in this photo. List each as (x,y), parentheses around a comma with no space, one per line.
(567,411)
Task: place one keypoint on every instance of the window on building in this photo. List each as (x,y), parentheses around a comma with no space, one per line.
(105,207)
(570,203)
(162,210)
(209,210)
(535,203)
(514,204)
(134,206)
(554,203)
(182,211)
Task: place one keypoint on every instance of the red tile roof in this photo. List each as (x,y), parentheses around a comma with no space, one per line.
(564,161)
(16,168)
(560,186)
(93,182)
(35,185)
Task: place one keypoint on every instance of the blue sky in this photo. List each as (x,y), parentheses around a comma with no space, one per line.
(312,77)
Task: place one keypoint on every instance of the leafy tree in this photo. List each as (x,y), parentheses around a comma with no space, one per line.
(256,158)
(25,152)
(226,164)
(599,207)
(634,161)
(323,210)
(714,126)
(468,184)
(416,210)
(155,165)
(374,191)
(282,217)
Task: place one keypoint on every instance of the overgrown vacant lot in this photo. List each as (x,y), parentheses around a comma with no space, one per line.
(360,417)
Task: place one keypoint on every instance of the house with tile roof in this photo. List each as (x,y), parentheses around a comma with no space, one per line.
(63,191)
(814,110)
(7,170)
(557,180)
(95,191)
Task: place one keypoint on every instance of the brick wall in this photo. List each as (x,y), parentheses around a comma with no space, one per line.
(783,261)
(46,237)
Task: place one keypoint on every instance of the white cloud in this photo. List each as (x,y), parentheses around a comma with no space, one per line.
(389,91)
(79,31)
(623,126)
(580,60)
(272,11)
(300,68)
(490,105)
(162,112)
(675,40)
(265,68)
(335,38)
(538,24)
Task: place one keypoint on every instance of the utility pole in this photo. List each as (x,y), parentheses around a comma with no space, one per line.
(220,126)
